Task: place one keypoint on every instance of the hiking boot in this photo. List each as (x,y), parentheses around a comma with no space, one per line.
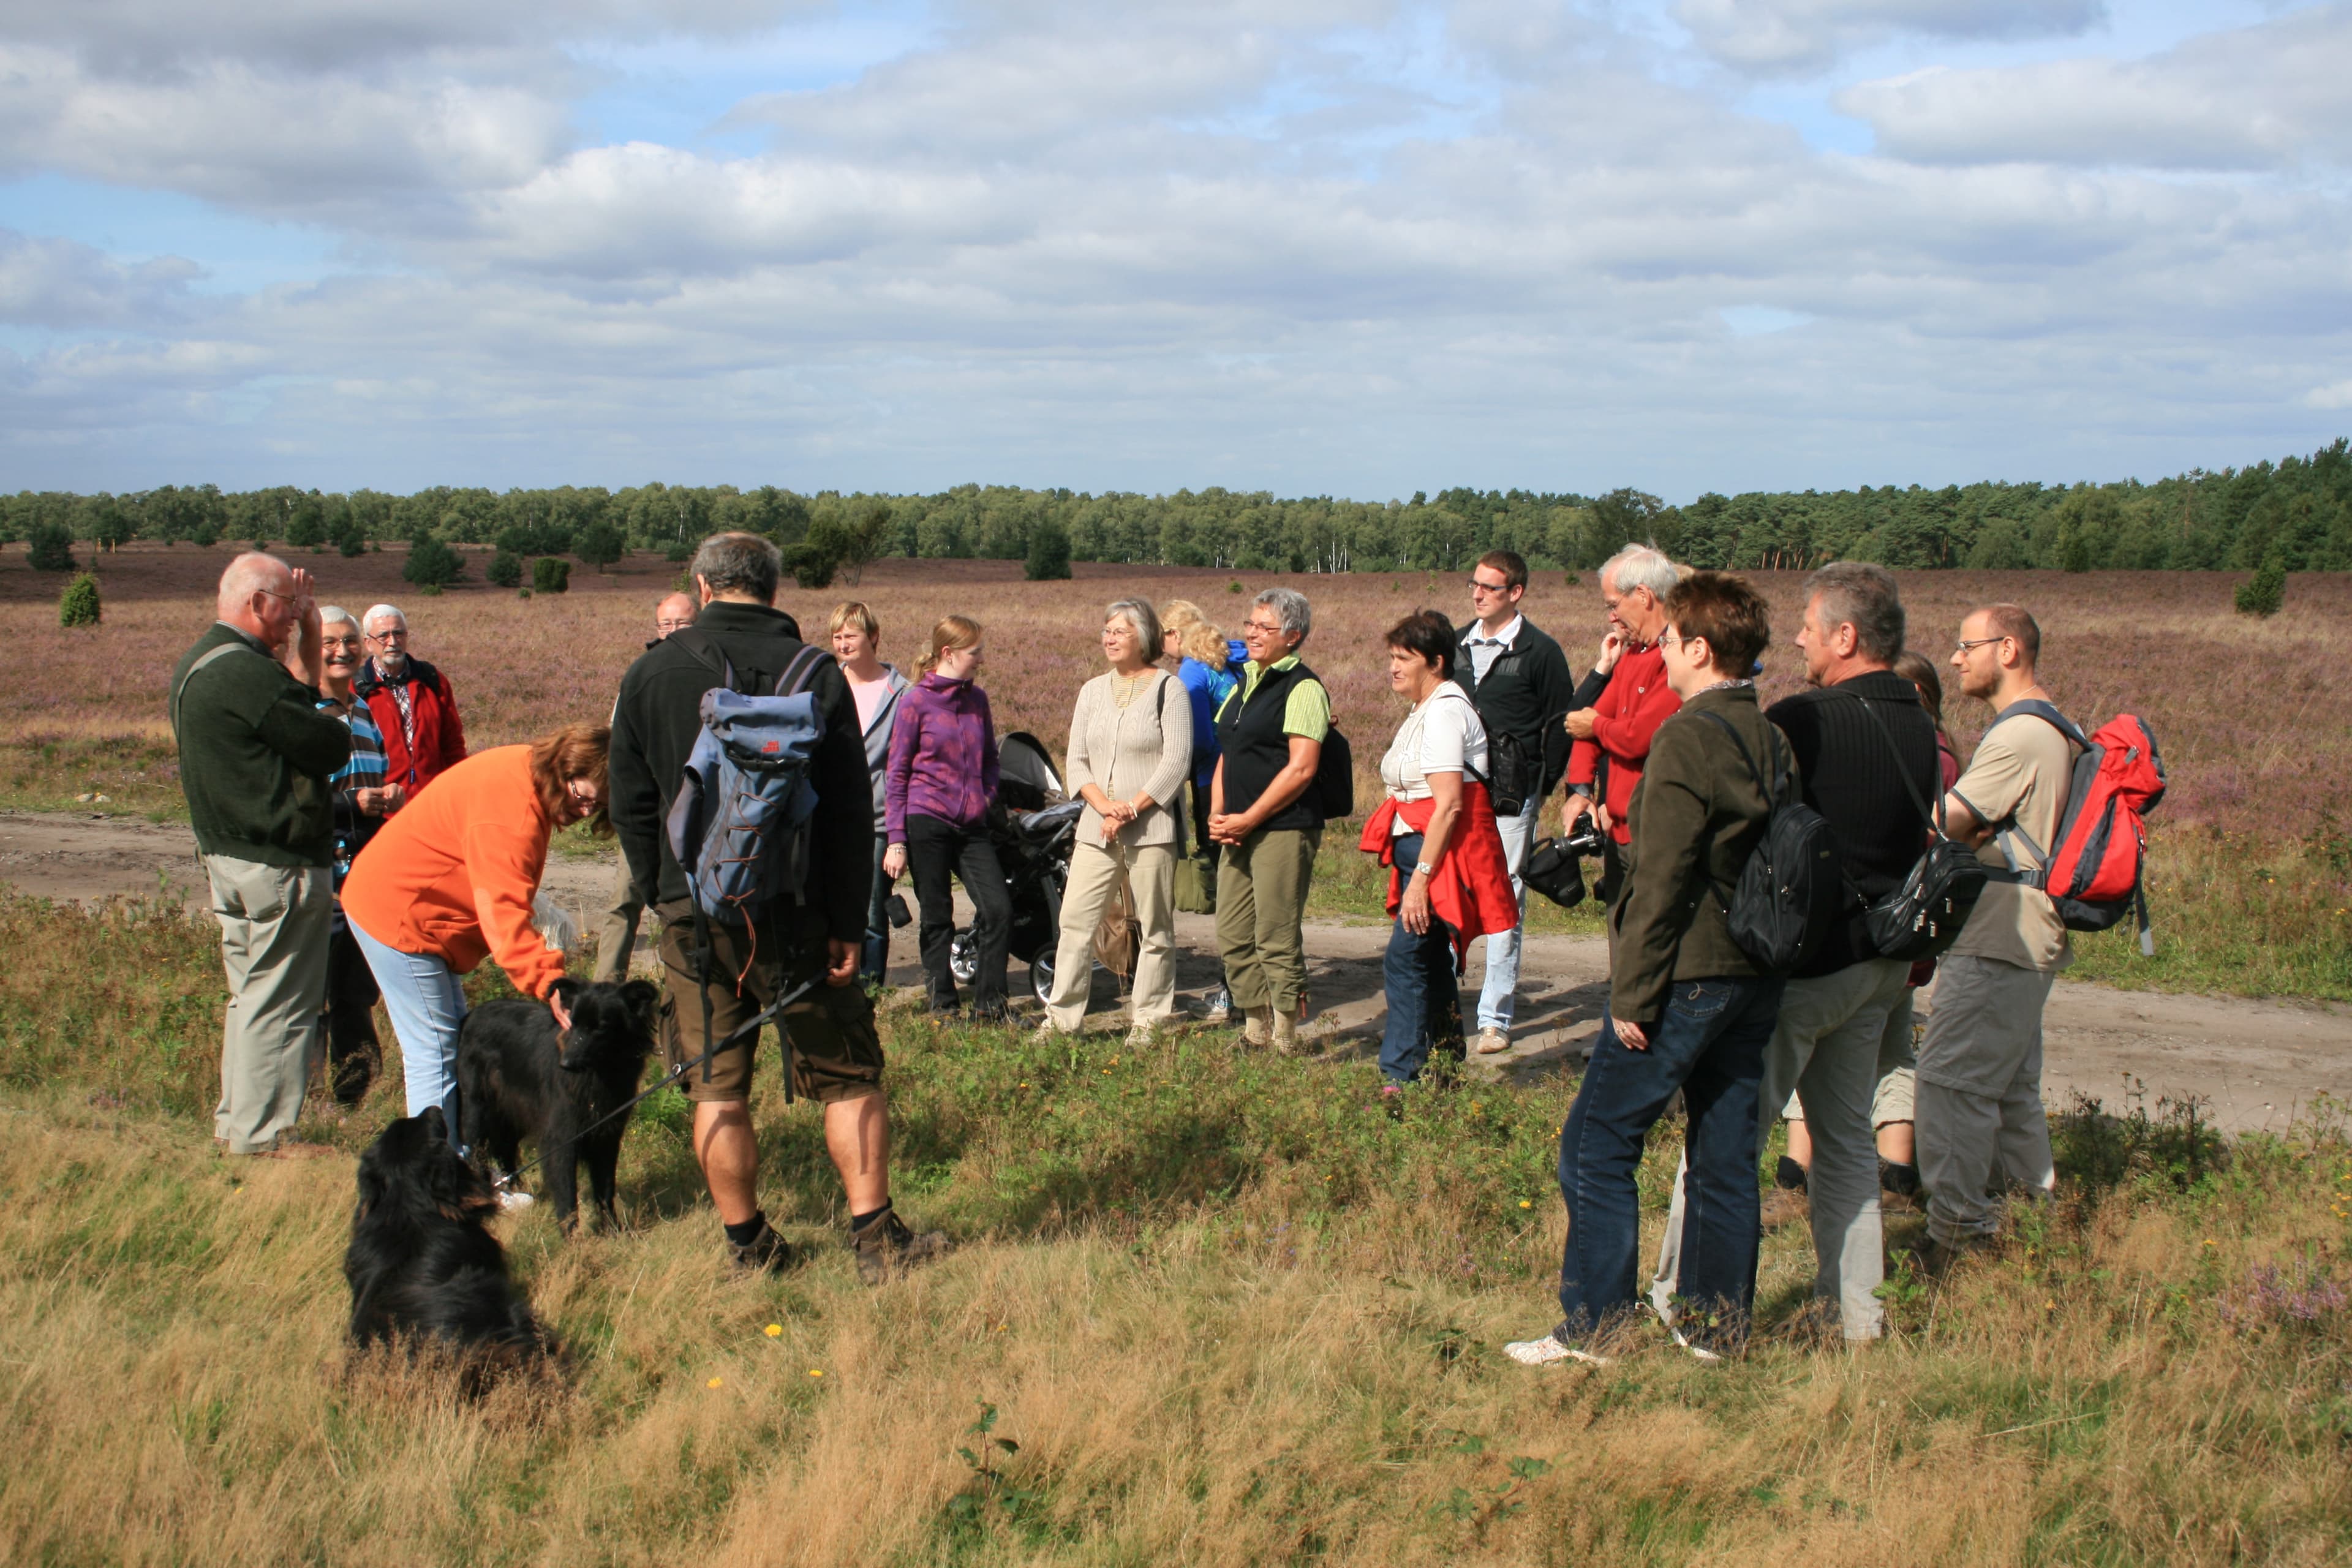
(768,1251)
(1933,1259)
(1548,1350)
(1218,1006)
(1493,1042)
(883,1242)
(1139,1036)
(1257,1025)
(1783,1206)
(1286,1033)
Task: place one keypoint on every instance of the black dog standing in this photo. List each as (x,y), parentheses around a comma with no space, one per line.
(520,1080)
(422,1263)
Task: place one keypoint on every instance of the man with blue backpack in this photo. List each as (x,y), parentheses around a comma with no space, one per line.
(737,770)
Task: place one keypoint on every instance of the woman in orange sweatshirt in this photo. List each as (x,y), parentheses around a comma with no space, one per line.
(449,882)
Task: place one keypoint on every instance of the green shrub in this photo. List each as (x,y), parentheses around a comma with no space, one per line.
(78,606)
(351,536)
(678,550)
(811,562)
(551,575)
(1049,553)
(432,563)
(600,544)
(2261,594)
(504,570)
(50,548)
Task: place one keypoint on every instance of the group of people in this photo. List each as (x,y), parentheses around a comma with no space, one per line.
(308,741)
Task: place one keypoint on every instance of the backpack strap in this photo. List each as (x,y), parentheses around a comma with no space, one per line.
(2034,708)
(1773,792)
(180,690)
(2006,828)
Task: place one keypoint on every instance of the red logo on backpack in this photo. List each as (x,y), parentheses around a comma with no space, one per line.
(2092,872)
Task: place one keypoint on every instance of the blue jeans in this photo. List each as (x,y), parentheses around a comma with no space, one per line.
(1710,1045)
(1498,1000)
(874,958)
(1424,1004)
(427,1007)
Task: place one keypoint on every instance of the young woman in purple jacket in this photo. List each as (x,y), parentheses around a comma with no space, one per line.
(936,796)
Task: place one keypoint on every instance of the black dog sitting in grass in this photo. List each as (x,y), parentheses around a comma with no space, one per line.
(520,1080)
(424,1267)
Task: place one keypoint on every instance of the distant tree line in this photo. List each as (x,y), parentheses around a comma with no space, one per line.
(2295,514)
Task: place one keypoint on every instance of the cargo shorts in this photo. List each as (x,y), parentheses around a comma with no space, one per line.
(837,1052)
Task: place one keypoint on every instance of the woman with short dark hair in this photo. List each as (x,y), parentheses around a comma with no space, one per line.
(1687,1011)
(1448,879)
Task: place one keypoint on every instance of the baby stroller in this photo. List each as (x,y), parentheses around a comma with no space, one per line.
(1035,827)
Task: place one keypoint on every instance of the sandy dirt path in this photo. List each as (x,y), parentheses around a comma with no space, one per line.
(2256,1062)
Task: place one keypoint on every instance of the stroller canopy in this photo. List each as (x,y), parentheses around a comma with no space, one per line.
(1027,779)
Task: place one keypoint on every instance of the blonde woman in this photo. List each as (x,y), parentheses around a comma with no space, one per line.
(936,792)
(1131,750)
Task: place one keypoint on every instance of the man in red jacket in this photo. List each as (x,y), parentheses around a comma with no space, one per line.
(411,703)
(1612,735)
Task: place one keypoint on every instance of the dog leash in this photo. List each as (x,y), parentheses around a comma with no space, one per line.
(773,1013)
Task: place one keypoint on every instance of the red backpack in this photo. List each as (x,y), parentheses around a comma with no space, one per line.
(2092,872)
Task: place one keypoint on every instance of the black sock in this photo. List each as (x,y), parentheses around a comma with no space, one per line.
(747,1232)
(1897,1178)
(1790,1174)
(860,1221)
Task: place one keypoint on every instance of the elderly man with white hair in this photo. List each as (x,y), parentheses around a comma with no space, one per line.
(422,736)
(1612,732)
(255,754)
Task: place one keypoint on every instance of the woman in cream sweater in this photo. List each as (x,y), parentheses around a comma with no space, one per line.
(1131,750)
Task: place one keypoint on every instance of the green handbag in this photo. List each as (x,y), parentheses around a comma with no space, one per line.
(1196,888)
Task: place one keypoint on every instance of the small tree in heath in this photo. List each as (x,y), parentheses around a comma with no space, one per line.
(50,548)
(504,570)
(2262,594)
(551,575)
(1049,553)
(78,606)
(432,563)
(599,546)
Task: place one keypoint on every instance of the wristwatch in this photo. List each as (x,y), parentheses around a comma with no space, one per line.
(1424,870)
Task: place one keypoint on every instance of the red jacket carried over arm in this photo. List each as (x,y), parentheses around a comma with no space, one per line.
(1636,701)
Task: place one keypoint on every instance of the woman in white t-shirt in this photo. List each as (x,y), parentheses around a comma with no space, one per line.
(874,686)
(1436,829)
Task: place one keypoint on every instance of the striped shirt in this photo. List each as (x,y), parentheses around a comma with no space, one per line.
(364,771)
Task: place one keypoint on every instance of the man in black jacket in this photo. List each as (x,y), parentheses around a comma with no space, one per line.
(1866,759)
(837,1054)
(1518,680)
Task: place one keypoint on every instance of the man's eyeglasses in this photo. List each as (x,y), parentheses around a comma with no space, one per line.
(397,634)
(1981,642)
(344,644)
(1478,587)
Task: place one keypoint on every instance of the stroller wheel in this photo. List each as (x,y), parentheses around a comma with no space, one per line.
(1041,975)
(963,956)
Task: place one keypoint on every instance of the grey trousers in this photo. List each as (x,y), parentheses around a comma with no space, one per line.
(1824,1047)
(1980,1094)
(616,936)
(276,923)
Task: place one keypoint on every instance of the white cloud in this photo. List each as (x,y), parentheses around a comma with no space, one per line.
(1777,36)
(2266,97)
(61,285)
(2336,396)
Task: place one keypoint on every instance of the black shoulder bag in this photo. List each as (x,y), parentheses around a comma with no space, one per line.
(1922,917)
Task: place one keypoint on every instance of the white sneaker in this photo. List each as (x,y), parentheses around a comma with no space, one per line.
(1548,1350)
(1139,1036)
(1493,1042)
(1220,1009)
(1699,1353)
(513,1200)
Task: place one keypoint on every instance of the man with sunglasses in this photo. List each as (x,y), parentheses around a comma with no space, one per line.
(254,756)
(1517,680)
(413,704)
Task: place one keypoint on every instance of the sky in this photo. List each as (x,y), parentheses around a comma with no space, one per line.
(1354,248)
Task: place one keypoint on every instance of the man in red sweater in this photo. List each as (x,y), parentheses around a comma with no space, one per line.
(1612,735)
(411,703)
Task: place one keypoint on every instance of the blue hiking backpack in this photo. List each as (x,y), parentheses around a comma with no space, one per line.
(740,825)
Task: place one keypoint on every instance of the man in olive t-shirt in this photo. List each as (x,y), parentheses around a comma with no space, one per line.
(1979,1074)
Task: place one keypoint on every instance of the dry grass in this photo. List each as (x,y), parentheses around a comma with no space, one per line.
(1228,1311)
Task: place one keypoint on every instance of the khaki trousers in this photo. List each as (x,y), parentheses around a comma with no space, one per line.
(616,937)
(276,924)
(1261,905)
(1980,1095)
(1094,873)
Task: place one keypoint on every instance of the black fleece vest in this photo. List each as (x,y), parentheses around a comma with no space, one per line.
(1256,748)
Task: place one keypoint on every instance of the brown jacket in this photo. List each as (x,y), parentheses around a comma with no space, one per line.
(1696,816)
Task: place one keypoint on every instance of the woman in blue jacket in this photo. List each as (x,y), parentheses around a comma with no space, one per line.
(1187,635)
